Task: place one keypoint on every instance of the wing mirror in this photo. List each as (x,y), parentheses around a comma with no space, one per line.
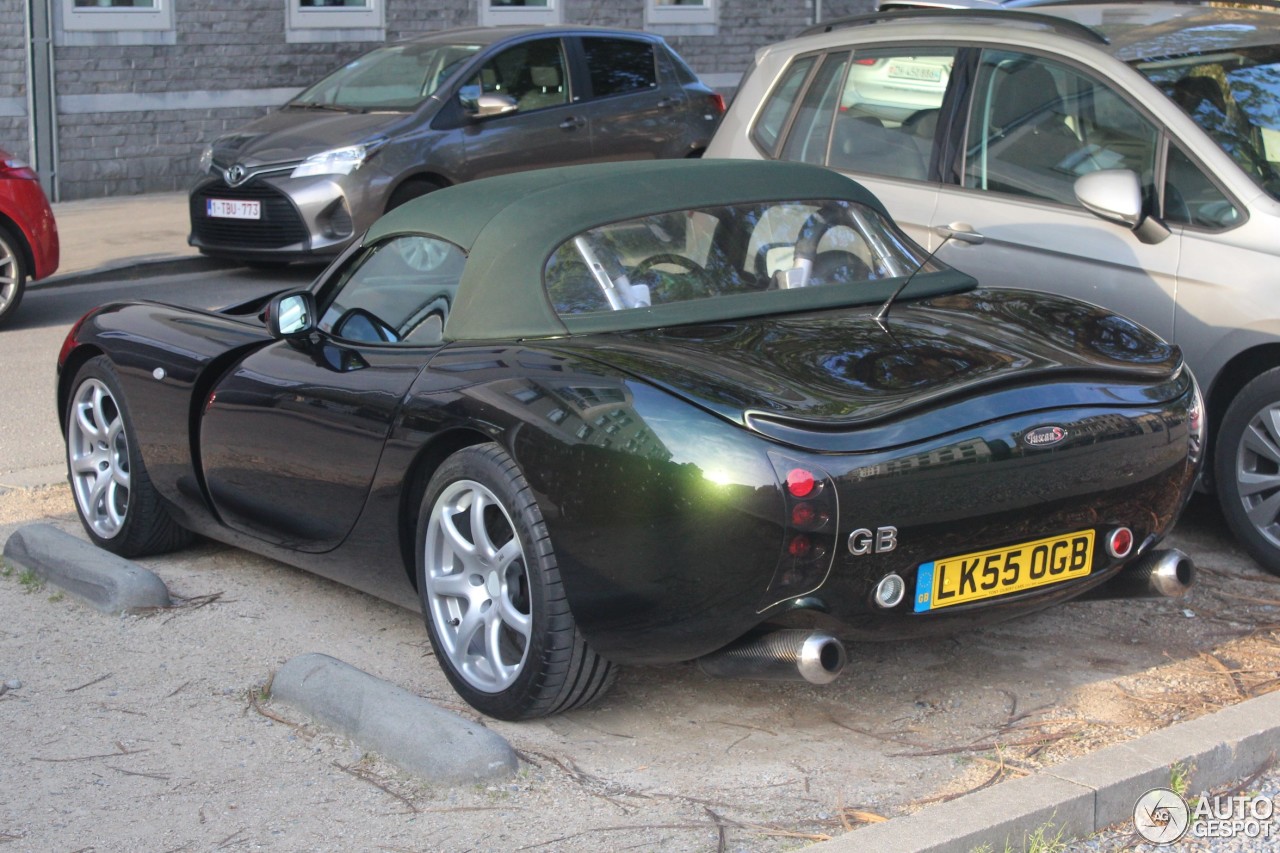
(490,105)
(1115,195)
(289,315)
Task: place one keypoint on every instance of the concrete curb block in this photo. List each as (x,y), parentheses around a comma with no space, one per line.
(406,729)
(99,578)
(136,268)
(1086,794)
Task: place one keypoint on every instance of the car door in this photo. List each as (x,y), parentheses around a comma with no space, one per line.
(633,113)
(1033,126)
(291,435)
(871,113)
(547,127)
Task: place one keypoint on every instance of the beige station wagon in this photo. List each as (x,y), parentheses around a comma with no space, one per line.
(1127,154)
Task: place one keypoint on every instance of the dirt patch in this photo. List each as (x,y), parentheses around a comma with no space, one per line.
(152,732)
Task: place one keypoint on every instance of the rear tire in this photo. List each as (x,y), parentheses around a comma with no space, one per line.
(119,508)
(1246,468)
(494,606)
(13,274)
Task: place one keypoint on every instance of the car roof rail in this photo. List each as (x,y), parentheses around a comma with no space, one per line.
(1271,5)
(1003,16)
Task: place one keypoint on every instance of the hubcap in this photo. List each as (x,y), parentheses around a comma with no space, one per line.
(1258,472)
(8,275)
(477,586)
(98,456)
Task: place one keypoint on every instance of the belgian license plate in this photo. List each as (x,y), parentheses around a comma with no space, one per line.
(986,574)
(225,208)
(913,71)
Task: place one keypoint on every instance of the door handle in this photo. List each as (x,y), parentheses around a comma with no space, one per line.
(572,123)
(961,231)
(668,103)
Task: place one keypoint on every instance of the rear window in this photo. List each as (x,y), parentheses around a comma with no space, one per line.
(616,66)
(707,254)
(773,116)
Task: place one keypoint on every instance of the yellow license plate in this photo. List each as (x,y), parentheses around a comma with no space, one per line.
(986,574)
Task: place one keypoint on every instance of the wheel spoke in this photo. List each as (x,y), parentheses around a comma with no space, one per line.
(1261,440)
(479,533)
(507,554)
(1250,483)
(472,621)
(493,645)
(458,543)
(85,414)
(115,507)
(519,622)
(454,585)
(84,463)
(96,494)
(1263,514)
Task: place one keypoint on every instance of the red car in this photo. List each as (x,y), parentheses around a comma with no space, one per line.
(28,234)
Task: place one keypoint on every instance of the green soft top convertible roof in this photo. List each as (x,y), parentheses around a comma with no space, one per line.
(510,225)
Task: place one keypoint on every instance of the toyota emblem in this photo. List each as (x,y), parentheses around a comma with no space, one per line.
(235,175)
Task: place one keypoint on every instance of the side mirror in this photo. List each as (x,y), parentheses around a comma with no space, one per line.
(1115,195)
(290,314)
(488,106)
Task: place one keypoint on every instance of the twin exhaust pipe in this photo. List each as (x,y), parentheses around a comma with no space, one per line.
(799,654)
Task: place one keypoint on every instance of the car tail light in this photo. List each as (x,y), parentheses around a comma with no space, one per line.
(800,482)
(809,528)
(717,102)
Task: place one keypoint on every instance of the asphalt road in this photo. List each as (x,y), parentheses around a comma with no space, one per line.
(29,437)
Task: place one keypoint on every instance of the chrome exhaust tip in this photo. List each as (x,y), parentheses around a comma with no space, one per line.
(791,655)
(1161,574)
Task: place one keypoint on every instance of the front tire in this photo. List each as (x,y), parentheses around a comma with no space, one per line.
(13,275)
(494,605)
(1247,469)
(117,505)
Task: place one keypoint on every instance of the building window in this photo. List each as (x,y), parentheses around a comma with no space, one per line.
(687,12)
(499,12)
(116,15)
(334,20)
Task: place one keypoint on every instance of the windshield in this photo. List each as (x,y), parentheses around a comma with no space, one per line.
(1234,95)
(397,77)
(708,253)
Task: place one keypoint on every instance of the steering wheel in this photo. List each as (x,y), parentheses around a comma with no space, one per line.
(702,284)
(690,265)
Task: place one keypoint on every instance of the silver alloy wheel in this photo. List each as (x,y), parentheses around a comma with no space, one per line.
(98,456)
(1258,472)
(478,588)
(10,274)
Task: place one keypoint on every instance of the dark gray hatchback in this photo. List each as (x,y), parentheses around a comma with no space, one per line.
(409,118)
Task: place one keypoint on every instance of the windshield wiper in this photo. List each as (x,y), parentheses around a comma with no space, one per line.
(316,105)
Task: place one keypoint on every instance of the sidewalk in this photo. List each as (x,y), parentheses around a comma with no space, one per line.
(105,235)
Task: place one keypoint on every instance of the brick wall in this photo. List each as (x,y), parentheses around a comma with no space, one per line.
(240,46)
(13,78)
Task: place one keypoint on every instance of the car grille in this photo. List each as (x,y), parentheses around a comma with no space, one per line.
(280,224)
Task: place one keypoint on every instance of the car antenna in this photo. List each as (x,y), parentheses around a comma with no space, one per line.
(884,309)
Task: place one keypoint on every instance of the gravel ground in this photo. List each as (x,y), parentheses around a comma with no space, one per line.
(153,733)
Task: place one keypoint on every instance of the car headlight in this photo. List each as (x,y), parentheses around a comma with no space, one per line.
(337,161)
(206,159)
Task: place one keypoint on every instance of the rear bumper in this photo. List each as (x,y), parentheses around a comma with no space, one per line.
(987,489)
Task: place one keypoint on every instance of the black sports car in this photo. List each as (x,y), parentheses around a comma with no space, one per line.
(646,412)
